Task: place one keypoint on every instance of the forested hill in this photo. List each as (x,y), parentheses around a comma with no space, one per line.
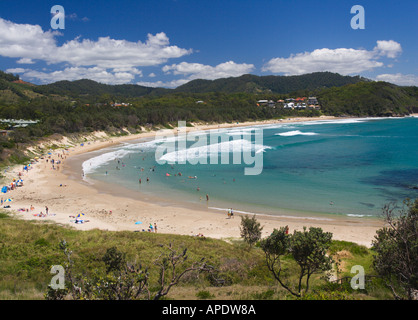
(247,83)
(274,84)
(92,88)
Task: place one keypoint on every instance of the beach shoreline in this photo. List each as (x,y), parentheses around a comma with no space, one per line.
(66,195)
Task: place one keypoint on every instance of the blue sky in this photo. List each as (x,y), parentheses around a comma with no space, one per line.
(169,42)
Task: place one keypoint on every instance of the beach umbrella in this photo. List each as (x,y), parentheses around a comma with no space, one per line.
(80,215)
(138,222)
(8,200)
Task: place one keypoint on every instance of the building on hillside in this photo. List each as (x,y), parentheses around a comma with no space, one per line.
(312,101)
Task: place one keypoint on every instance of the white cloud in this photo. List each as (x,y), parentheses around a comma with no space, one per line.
(25,41)
(201,71)
(29,43)
(341,60)
(390,48)
(162,84)
(111,53)
(399,79)
(15,70)
(25,61)
(194,71)
(76,73)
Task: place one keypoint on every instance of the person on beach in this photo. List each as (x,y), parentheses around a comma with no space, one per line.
(46,210)
(229,213)
(207,197)
(155,227)
(232,213)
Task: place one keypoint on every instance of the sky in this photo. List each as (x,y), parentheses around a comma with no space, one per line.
(166,43)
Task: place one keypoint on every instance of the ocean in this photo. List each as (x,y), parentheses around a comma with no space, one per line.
(348,168)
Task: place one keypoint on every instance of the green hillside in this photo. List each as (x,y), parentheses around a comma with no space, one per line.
(274,84)
(369,99)
(92,89)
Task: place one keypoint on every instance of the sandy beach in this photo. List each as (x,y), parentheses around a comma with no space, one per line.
(67,195)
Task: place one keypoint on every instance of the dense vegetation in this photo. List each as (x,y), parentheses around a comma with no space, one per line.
(84,106)
(270,84)
(396,246)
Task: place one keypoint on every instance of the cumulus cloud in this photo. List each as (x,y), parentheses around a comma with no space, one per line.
(26,41)
(76,73)
(341,60)
(111,53)
(390,49)
(193,71)
(15,70)
(25,61)
(399,79)
(30,43)
(163,84)
(201,71)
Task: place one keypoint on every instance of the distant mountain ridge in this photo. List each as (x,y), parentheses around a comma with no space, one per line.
(275,84)
(337,94)
(246,83)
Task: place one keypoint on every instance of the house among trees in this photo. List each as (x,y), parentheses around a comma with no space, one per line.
(312,101)
(13,123)
(120,104)
(269,103)
(300,103)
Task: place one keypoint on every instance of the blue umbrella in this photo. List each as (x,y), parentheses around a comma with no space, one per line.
(138,222)
(80,214)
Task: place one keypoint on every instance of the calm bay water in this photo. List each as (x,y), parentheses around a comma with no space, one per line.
(344,167)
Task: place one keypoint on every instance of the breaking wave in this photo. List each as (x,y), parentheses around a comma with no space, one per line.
(296,133)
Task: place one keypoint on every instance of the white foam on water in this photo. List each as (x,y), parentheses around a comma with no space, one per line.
(272,215)
(92,164)
(241,145)
(359,215)
(296,133)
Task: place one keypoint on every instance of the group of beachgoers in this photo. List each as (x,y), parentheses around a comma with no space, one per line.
(18,182)
(151,228)
(120,164)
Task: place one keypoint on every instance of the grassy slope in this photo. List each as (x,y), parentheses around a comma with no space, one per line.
(29,249)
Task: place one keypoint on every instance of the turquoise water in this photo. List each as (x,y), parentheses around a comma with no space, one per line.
(346,167)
